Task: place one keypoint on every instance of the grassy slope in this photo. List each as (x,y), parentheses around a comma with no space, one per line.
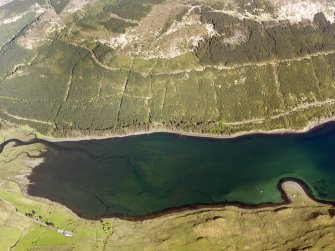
(19,212)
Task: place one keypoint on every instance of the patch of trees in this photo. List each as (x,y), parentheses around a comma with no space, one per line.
(131,9)
(49,223)
(59,5)
(106,226)
(32,214)
(117,25)
(262,41)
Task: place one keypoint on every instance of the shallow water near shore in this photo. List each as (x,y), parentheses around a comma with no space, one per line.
(142,175)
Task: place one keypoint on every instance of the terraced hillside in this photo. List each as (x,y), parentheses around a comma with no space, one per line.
(204,66)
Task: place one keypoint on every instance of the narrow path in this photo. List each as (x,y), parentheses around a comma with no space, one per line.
(24,216)
(203,68)
(294,109)
(61,231)
(250,121)
(305,106)
(28,119)
(113,15)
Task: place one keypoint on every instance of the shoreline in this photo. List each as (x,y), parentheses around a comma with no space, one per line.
(286,200)
(302,186)
(310,127)
(194,207)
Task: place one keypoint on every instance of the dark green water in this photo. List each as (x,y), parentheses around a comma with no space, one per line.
(142,175)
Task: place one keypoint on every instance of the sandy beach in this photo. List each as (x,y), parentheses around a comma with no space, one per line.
(292,188)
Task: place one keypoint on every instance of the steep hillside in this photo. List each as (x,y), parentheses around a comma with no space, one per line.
(204,66)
